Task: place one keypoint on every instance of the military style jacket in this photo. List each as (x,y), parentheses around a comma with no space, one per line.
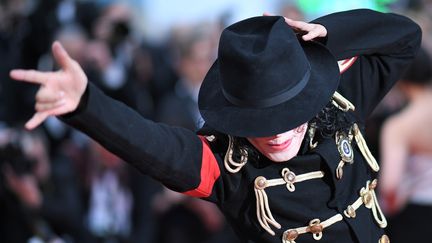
(325,194)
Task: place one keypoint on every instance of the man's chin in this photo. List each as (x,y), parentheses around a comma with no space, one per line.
(280,157)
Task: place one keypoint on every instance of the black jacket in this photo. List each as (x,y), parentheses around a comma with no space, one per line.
(383,45)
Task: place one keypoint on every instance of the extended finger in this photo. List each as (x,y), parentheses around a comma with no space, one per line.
(40,107)
(310,35)
(314,33)
(60,55)
(298,24)
(31,76)
(36,120)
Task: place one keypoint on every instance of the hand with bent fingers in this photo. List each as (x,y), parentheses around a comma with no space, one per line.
(60,92)
(310,31)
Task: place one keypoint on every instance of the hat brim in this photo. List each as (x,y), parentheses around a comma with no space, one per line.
(228,118)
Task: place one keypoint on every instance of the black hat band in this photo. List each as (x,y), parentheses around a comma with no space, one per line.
(270,101)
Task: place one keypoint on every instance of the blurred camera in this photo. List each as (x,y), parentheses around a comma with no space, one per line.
(12,152)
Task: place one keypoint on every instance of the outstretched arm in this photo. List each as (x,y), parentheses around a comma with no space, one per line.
(174,156)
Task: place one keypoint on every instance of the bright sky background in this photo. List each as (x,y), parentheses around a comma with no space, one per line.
(161,14)
(157,16)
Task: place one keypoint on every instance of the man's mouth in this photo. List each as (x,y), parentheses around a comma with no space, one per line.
(278,145)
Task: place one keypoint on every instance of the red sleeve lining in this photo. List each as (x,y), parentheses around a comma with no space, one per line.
(346,63)
(210,172)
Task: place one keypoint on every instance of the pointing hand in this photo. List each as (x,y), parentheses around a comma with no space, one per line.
(60,92)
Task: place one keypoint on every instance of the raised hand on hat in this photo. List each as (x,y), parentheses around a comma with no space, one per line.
(60,92)
(309,31)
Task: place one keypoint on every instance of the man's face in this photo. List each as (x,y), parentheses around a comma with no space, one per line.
(280,147)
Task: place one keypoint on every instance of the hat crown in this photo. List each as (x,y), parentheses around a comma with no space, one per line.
(261,62)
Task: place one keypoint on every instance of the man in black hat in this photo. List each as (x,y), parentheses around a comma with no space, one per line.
(282,152)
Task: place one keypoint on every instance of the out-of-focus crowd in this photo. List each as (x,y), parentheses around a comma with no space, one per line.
(57,185)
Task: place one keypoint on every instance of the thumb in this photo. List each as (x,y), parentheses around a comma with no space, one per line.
(60,55)
(36,120)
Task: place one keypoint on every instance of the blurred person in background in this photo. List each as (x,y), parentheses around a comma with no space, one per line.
(110,201)
(15,99)
(290,10)
(185,219)
(24,164)
(39,198)
(395,100)
(406,157)
(111,51)
(194,54)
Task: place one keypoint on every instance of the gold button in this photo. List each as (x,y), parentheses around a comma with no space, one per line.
(384,239)
(260,182)
(367,200)
(291,235)
(290,177)
(316,229)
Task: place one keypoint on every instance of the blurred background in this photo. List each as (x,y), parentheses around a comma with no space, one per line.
(57,185)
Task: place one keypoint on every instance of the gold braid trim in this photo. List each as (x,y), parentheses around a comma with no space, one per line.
(342,103)
(364,149)
(369,199)
(345,105)
(315,227)
(264,214)
(231,165)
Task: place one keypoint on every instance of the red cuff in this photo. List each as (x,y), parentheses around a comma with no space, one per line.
(209,172)
(346,63)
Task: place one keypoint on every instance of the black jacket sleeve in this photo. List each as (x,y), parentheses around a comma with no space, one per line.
(385,44)
(169,154)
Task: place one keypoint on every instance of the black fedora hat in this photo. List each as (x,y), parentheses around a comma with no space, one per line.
(265,80)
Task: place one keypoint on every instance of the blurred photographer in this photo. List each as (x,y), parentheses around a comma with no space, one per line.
(23,163)
(38,202)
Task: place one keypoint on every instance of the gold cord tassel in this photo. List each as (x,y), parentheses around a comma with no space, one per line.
(231,165)
(377,213)
(364,149)
(376,209)
(370,200)
(264,214)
